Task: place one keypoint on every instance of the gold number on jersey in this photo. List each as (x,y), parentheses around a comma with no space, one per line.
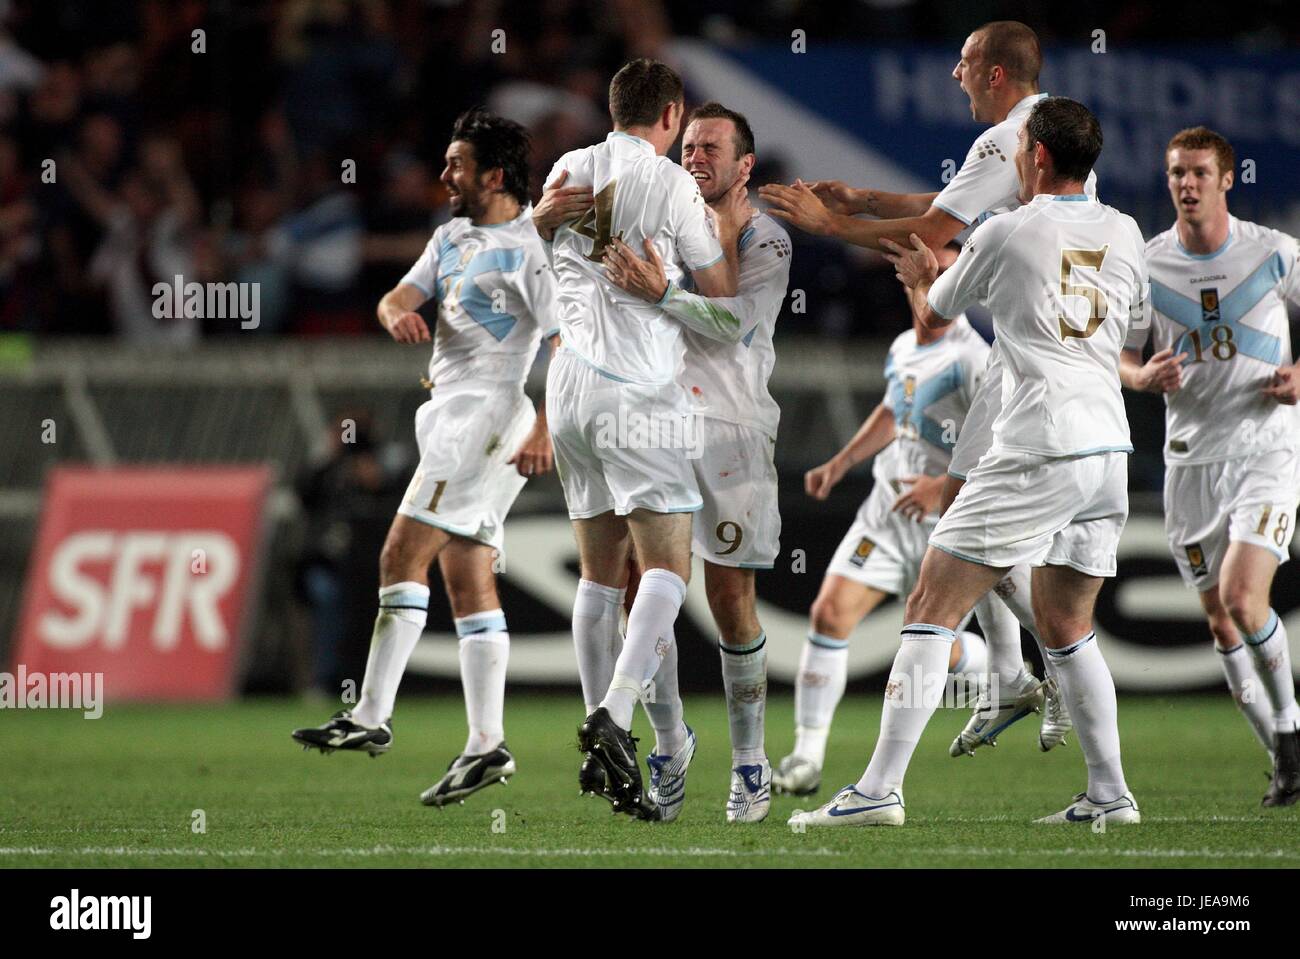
(1263,521)
(597,223)
(732,542)
(1091,259)
(1221,347)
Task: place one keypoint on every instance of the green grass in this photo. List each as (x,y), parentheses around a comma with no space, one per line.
(121,791)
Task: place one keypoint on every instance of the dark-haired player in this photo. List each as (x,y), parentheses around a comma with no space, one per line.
(1219,289)
(479,439)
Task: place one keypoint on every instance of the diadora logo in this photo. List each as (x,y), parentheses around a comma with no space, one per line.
(987,148)
(100,579)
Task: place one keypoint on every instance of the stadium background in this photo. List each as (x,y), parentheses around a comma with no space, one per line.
(226,164)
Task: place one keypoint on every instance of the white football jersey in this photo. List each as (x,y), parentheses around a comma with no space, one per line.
(725,380)
(1227,311)
(987,182)
(929,389)
(1064,278)
(496,297)
(639,195)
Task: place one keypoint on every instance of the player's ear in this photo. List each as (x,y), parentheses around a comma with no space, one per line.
(747,163)
(1228,178)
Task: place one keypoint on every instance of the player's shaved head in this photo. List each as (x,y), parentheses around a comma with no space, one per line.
(641,91)
(1014,47)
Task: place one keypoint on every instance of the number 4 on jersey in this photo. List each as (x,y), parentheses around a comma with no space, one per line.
(597,223)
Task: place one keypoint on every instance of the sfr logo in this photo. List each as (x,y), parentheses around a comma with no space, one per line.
(179,575)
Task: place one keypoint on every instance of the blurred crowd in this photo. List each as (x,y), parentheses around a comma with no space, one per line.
(297,143)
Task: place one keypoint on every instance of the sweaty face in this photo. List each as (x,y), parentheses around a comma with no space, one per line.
(971,75)
(709,155)
(461,178)
(1199,190)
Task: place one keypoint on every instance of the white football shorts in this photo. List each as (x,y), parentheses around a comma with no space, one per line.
(1251,499)
(739,524)
(1042,510)
(463,484)
(620,446)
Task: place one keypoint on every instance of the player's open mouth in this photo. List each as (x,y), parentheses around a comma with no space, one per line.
(700,177)
(1190,202)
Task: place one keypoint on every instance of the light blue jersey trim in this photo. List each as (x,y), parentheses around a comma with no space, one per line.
(1077,197)
(955,475)
(668,291)
(1203,256)
(458,530)
(419,286)
(952,213)
(605,373)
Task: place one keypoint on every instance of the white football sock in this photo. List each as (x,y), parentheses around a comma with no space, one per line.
(823,673)
(649,633)
(1016,592)
(596,639)
(1089,693)
(1272,658)
(972,656)
(663,704)
(403,608)
(1248,692)
(484,652)
(912,694)
(744,677)
(1006,672)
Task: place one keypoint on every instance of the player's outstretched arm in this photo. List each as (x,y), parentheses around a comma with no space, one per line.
(875,433)
(798,204)
(842,199)
(1163,373)
(397,314)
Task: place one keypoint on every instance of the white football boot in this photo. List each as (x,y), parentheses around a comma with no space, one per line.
(853,808)
(796,776)
(750,797)
(668,778)
(1056,717)
(1121,812)
(988,720)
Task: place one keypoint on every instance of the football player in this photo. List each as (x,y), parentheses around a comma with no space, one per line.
(479,439)
(1219,289)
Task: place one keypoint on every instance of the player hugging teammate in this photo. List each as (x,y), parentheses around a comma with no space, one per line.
(1001,474)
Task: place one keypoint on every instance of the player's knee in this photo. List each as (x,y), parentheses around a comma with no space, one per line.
(1246,606)
(830,616)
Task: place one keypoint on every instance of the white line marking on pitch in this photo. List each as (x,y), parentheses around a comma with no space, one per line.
(692,851)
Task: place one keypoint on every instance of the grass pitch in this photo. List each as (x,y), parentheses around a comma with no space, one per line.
(131,788)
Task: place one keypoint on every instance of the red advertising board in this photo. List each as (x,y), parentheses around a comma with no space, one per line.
(147,575)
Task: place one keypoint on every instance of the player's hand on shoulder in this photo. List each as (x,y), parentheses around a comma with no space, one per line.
(819,481)
(534,456)
(1163,373)
(409,328)
(923,497)
(1285,385)
(560,204)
